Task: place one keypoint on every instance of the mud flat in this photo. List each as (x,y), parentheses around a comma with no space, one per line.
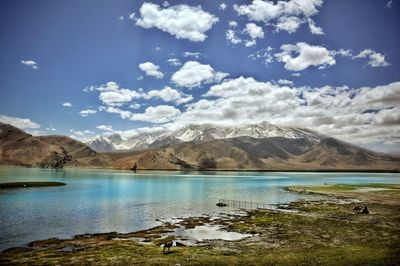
(331,231)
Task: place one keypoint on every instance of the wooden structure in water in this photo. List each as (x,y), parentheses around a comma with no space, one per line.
(248,205)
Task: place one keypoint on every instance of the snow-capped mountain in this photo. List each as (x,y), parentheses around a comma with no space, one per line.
(198,133)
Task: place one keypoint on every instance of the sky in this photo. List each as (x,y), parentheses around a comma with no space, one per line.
(86,68)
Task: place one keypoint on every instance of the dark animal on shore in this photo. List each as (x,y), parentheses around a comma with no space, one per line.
(167,245)
(361,209)
(221,204)
(365,210)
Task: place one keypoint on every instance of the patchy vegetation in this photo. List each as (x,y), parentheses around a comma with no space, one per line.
(325,232)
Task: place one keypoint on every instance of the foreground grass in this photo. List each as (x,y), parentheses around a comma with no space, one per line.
(324,232)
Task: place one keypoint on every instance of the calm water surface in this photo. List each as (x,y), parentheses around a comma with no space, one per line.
(105,200)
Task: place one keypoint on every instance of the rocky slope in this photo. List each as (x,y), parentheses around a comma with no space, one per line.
(297,149)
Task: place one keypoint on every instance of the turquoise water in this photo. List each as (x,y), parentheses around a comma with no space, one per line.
(105,200)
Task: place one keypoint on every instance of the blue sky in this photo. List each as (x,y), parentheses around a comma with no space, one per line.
(83,68)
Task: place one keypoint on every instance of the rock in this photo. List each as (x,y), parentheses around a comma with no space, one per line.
(361,209)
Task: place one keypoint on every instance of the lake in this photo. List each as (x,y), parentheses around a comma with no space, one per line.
(95,201)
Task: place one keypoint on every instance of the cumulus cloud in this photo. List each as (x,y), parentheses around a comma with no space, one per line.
(337,111)
(30,63)
(194,74)
(87,112)
(289,24)
(231,37)
(168,95)
(151,70)
(67,104)
(254,31)
(302,55)
(222,6)
(157,114)
(105,127)
(283,15)
(375,59)
(23,123)
(182,21)
(232,24)
(248,35)
(111,94)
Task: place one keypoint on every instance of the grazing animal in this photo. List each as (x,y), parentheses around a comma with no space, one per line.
(361,209)
(365,210)
(167,245)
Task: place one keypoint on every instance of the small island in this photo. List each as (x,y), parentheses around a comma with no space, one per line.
(30,184)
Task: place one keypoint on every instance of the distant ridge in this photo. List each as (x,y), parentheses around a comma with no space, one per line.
(196,133)
(262,147)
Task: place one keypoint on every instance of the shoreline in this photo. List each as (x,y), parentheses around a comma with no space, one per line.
(328,229)
(395,171)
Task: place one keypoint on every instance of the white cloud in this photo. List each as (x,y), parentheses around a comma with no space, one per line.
(157,114)
(302,55)
(81,134)
(222,6)
(375,59)
(22,123)
(285,82)
(191,54)
(251,32)
(121,18)
(132,16)
(232,24)
(254,31)
(194,74)
(117,96)
(174,62)
(289,24)
(151,70)
(51,128)
(389,4)
(263,55)
(232,38)
(288,14)
(67,104)
(168,95)
(105,127)
(314,29)
(115,110)
(165,4)
(30,63)
(182,21)
(87,112)
(134,106)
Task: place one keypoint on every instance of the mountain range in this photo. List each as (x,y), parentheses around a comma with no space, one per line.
(196,147)
(197,134)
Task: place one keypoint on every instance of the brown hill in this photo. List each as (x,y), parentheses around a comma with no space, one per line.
(240,153)
(246,153)
(20,148)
